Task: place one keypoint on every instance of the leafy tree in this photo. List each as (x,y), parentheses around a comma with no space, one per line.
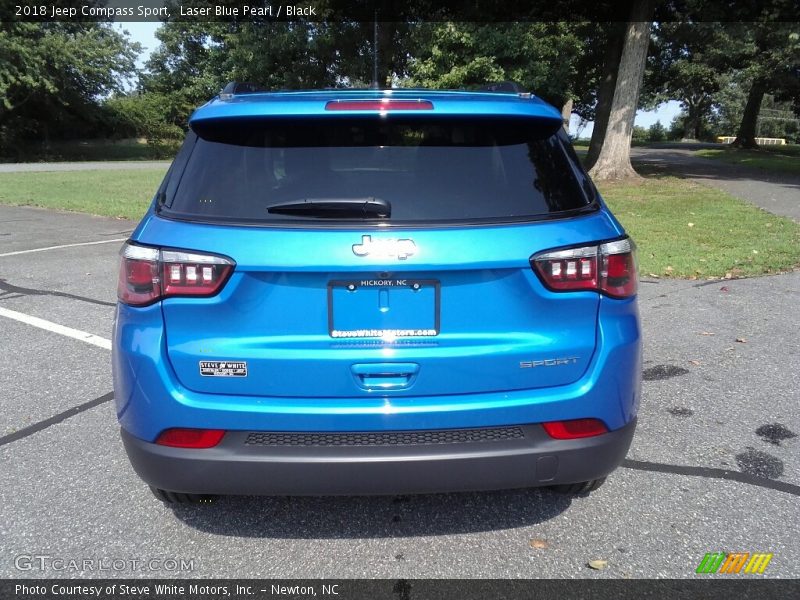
(186,67)
(195,60)
(676,128)
(540,56)
(730,101)
(700,131)
(700,61)
(53,76)
(778,119)
(656,132)
(773,66)
(699,64)
(691,62)
(142,115)
(639,134)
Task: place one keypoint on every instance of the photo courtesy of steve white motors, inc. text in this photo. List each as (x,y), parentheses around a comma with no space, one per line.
(171,590)
(52,11)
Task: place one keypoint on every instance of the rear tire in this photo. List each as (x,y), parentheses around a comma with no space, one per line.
(168,497)
(584,487)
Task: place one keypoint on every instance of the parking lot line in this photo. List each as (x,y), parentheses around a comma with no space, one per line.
(76,334)
(61,246)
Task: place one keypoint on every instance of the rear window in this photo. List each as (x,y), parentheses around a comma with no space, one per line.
(427,171)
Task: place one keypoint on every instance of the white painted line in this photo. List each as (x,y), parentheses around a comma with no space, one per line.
(63,246)
(76,334)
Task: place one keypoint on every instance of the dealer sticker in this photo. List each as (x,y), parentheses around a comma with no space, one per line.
(223,368)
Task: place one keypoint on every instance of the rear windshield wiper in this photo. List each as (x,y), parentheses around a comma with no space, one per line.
(334,208)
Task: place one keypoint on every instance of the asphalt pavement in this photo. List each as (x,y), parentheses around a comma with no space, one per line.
(714,464)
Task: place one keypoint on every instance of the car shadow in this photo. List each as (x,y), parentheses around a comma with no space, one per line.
(339,517)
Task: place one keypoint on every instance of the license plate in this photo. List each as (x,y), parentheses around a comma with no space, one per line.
(383,308)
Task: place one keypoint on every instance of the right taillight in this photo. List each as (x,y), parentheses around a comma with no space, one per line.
(609,268)
(149,274)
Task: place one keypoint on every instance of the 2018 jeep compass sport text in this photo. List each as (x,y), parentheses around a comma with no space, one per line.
(376,292)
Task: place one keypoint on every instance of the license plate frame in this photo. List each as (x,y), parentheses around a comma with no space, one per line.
(423,286)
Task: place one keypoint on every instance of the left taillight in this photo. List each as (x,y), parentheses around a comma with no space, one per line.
(609,268)
(148,274)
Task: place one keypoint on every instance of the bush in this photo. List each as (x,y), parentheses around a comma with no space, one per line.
(681,129)
(639,134)
(143,115)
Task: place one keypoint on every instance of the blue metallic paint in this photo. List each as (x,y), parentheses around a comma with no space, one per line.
(149,398)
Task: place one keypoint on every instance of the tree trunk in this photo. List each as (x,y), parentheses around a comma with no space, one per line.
(746,138)
(605,92)
(385,31)
(614,161)
(690,120)
(687,128)
(566,113)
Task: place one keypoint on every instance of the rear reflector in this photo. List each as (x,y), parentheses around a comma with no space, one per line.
(609,268)
(577,428)
(190,438)
(149,274)
(385,104)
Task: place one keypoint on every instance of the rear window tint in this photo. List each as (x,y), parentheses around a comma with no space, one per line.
(429,171)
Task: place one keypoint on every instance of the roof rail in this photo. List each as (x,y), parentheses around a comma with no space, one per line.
(239,87)
(506,87)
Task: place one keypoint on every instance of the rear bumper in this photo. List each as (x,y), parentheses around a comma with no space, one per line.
(528,458)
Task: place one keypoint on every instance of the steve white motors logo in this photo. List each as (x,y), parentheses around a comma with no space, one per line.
(389,248)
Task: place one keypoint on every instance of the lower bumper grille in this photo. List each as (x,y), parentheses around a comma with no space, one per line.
(385,438)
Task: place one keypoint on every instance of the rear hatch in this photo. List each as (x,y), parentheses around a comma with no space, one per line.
(377,255)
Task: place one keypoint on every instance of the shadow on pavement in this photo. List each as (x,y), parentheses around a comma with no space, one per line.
(373,516)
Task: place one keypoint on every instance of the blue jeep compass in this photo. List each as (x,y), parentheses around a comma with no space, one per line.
(376,292)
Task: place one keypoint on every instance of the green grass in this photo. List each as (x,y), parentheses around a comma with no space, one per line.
(113,193)
(684,229)
(782,159)
(727,237)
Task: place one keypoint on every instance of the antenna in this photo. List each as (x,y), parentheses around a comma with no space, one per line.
(375,85)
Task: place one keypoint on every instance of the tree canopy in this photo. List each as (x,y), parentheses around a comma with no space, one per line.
(79,79)
(54,75)
(544,57)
